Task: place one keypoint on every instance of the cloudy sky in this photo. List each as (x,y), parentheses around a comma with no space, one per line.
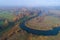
(29,2)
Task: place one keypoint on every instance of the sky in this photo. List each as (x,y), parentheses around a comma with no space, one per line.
(29,2)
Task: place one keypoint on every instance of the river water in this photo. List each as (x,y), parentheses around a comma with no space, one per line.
(52,32)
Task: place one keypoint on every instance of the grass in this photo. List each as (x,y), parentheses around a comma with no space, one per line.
(1,22)
(48,23)
(9,27)
(7,15)
(52,20)
(5,30)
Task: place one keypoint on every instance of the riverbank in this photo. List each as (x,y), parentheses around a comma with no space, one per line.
(52,32)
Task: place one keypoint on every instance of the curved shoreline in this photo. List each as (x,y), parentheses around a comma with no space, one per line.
(52,32)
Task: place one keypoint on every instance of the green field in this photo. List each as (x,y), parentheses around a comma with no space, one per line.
(6,15)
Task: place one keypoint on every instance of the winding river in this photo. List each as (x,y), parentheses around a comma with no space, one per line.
(52,32)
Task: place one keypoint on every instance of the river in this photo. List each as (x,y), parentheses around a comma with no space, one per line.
(52,32)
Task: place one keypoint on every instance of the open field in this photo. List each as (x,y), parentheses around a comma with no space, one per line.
(6,15)
(46,23)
